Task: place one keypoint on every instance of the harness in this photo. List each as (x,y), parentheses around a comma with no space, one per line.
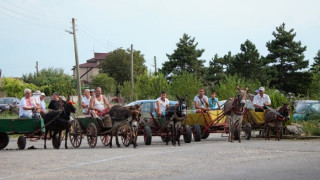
(234,108)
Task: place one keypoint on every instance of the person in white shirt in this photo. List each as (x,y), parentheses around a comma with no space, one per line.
(26,105)
(201,102)
(99,103)
(261,100)
(42,106)
(86,101)
(162,103)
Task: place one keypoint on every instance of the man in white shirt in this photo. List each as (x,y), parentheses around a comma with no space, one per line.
(162,103)
(26,105)
(86,101)
(261,100)
(42,106)
(201,102)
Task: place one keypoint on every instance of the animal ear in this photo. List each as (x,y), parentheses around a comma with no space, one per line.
(139,107)
(178,97)
(247,88)
(237,87)
(68,98)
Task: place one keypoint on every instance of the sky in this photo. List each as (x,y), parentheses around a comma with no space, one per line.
(34,30)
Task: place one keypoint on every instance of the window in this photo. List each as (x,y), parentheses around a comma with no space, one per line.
(315,108)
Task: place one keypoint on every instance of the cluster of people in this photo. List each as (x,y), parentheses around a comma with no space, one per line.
(202,103)
(94,101)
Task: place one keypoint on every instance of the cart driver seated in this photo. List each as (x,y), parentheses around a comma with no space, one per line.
(162,103)
(261,100)
(201,102)
(100,106)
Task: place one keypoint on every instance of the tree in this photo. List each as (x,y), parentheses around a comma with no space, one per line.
(118,65)
(125,90)
(184,58)
(247,63)
(52,80)
(286,56)
(13,87)
(316,64)
(185,84)
(149,85)
(214,73)
(107,83)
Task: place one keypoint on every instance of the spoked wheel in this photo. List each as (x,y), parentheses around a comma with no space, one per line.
(56,141)
(75,134)
(205,135)
(92,135)
(126,136)
(105,139)
(4,140)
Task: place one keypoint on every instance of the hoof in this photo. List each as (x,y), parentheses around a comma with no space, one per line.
(66,147)
(110,146)
(118,146)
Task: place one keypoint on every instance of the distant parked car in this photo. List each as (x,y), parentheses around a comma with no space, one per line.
(9,104)
(307,110)
(148,107)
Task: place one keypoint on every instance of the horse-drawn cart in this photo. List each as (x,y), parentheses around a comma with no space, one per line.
(208,122)
(27,128)
(94,127)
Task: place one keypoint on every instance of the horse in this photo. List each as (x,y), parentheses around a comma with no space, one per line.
(57,121)
(275,118)
(119,115)
(175,115)
(234,110)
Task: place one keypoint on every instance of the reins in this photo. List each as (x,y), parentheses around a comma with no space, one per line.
(235,108)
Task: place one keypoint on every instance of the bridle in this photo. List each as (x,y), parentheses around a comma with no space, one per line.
(234,106)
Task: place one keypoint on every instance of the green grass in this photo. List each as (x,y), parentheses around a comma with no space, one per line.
(311,128)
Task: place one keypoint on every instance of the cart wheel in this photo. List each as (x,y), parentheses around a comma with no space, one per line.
(56,141)
(4,140)
(236,132)
(147,135)
(247,130)
(126,135)
(21,142)
(196,132)
(92,135)
(205,135)
(187,134)
(105,139)
(75,134)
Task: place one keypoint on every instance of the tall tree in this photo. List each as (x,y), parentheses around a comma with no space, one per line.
(247,63)
(51,80)
(118,65)
(316,64)
(286,56)
(214,72)
(184,58)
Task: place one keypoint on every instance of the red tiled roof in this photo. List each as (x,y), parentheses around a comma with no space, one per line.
(92,63)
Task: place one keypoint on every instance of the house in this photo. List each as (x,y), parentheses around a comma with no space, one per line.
(90,68)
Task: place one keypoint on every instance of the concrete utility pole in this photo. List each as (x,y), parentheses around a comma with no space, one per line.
(77,61)
(132,85)
(155,64)
(37,68)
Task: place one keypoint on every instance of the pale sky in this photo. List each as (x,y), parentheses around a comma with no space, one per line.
(33,30)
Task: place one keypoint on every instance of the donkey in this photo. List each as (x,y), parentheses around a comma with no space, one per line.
(134,123)
(234,110)
(119,114)
(175,114)
(274,119)
(57,121)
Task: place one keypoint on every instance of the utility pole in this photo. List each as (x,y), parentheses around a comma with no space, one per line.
(37,68)
(77,61)
(132,72)
(155,64)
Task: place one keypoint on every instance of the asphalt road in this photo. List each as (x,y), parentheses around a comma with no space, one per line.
(213,158)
